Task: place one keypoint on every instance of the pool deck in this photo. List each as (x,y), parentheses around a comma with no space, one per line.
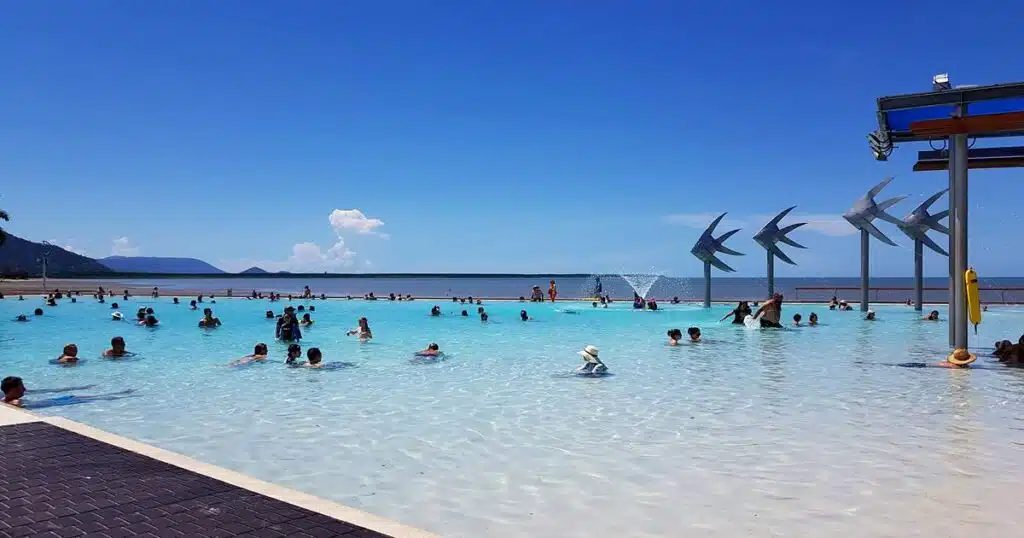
(59,478)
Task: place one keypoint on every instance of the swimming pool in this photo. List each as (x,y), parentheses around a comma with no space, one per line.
(795,432)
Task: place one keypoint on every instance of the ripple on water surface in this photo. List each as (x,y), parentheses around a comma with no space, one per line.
(799,432)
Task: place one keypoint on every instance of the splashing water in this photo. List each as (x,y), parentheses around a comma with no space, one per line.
(640,282)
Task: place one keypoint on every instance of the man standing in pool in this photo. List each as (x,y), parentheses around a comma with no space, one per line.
(770,313)
(288,326)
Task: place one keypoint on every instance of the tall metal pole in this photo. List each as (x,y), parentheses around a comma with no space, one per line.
(771,274)
(918,275)
(952,238)
(707,284)
(959,234)
(44,273)
(865,244)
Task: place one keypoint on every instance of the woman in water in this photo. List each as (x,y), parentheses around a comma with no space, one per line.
(294,352)
(591,361)
(150,321)
(674,337)
(69,355)
(796,319)
(770,312)
(741,311)
(870,316)
(813,320)
(306,320)
(524,316)
(288,326)
(694,334)
(209,321)
(932,316)
(117,348)
(362,331)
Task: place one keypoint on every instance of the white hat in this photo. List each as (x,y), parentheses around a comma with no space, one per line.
(117,315)
(590,354)
(870,312)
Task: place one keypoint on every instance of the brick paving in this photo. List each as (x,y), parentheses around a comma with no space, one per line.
(55,483)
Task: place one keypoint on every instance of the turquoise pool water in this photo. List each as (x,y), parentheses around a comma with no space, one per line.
(796,432)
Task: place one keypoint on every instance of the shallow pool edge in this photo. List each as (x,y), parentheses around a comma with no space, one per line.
(11,415)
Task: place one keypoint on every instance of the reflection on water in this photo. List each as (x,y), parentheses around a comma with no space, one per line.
(804,431)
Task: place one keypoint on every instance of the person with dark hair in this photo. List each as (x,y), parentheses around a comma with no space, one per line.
(524,316)
(117,348)
(796,319)
(694,334)
(259,353)
(69,355)
(674,337)
(313,358)
(362,330)
(294,352)
(38,312)
(209,321)
(741,311)
(13,389)
(432,350)
(288,326)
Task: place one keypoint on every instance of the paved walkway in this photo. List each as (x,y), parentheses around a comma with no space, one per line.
(55,483)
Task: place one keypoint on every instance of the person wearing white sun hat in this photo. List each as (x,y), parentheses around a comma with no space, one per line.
(592,363)
(117,316)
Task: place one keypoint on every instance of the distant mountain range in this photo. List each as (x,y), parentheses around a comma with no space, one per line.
(21,258)
(255,271)
(151,264)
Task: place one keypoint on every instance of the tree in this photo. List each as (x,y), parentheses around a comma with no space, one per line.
(3,216)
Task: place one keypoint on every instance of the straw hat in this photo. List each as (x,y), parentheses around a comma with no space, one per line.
(590,354)
(117,316)
(961,357)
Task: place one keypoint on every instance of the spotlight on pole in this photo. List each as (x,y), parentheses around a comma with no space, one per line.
(941,83)
(881,146)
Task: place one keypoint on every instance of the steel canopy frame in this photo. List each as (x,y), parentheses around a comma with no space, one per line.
(898,115)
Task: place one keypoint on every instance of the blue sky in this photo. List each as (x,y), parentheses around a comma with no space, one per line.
(480,136)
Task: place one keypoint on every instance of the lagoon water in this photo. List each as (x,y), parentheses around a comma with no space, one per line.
(796,432)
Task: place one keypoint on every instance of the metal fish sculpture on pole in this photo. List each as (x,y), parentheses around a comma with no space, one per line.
(916,226)
(860,216)
(770,236)
(705,249)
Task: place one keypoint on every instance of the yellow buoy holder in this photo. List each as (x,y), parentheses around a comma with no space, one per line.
(973,297)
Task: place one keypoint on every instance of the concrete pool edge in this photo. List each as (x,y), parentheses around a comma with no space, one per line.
(12,416)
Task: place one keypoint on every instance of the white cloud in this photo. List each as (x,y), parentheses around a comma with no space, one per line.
(368,263)
(122,246)
(825,224)
(308,257)
(343,220)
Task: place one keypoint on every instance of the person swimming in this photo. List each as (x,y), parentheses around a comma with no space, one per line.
(960,358)
(175,300)
(362,331)
(306,320)
(796,319)
(524,316)
(69,355)
(435,311)
(694,334)
(932,316)
(192,305)
(314,358)
(150,321)
(117,348)
(484,317)
(14,389)
(209,321)
(294,352)
(37,312)
(116,316)
(741,311)
(433,350)
(465,314)
(813,319)
(870,316)
(21,317)
(674,337)
(770,312)
(259,353)
(269,314)
(592,363)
